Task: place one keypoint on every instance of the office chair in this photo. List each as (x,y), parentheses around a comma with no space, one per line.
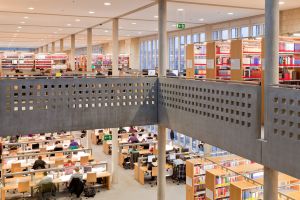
(76,187)
(84,160)
(59,162)
(16,167)
(24,187)
(45,191)
(154,174)
(134,158)
(92,179)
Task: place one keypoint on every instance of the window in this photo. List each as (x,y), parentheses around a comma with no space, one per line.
(182,52)
(196,38)
(245,32)
(149,54)
(215,35)
(202,37)
(256,30)
(262,29)
(189,39)
(171,52)
(225,34)
(234,33)
(176,53)
(153,64)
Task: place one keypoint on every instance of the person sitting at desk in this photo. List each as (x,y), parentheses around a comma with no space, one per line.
(77,174)
(133,150)
(69,163)
(132,130)
(46,179)
(133,139)
(152,164)
(58,146)
(73,145)
(121,130)
(39,164)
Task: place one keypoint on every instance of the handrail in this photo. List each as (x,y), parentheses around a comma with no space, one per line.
(37,141)
(286,86)
(76,76)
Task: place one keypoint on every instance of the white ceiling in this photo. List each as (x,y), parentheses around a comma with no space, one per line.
(51,20)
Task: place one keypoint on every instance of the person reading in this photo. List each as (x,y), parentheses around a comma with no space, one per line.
(39,164)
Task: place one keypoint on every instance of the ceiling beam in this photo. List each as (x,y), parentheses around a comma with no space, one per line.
(153,20)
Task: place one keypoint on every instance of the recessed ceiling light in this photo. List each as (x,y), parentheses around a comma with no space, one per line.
(91,12)
(155,16)
(19,27)
(22,22)
(201,19)
(69,24)
(106,31)
(180,9)
(281,2)
(134,23)
(25,17)
(107,4)
(77,20)
(30,8)
(230,13)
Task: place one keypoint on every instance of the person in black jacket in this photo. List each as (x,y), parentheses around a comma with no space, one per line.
(39,164)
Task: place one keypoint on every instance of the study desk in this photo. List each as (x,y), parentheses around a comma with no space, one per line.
(139,172)
(123,156)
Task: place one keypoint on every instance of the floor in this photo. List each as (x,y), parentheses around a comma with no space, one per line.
(128,188)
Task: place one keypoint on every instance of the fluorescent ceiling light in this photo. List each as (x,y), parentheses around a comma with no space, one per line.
(107,4)
(133,23)
(55,32)
(201,19)
(91,12)
(25,17)
(22,22)
(19,27)
(30,8)
(230,13)
(155,16)
(77,20)
(180,9)
(140,32)
(106,31)
(281,2)
(69,24)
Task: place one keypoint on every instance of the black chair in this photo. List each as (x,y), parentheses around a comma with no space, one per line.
(76,186)
(46,190)
(134,158)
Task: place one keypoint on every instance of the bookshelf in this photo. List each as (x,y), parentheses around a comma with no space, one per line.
(10,61)
(229,160)
(196,60)
(218,62)
(81,62)
(246,59)
(43,61)
(245,190)
(59,61)
(123,61)
(26,61)
(195,178)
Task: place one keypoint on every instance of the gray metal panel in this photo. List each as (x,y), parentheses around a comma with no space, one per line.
(282,149)
(45,105)
(221,114)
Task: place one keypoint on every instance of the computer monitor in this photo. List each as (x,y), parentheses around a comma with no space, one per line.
(35,146)
(87,169)
(172,156)
(150,158)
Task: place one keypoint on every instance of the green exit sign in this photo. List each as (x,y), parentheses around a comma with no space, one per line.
(107,137)
(180,26)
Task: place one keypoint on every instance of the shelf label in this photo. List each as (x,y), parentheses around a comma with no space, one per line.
(210,64)
(236,64)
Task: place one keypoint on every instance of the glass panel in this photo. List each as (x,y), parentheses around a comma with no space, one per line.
(153,64)
(195,145)
(225,34)
(141,55)
(171,53)
(149,53)
(202,37)
(189,39)
(234,33)
(196,38)
(245,31)
(182,51)
(182,139)
(215,35)
(176,54)
(187,142)
(156,53)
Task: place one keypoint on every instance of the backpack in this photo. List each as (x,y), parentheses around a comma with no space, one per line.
(89,192)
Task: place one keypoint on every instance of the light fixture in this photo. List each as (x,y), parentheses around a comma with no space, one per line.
(22,22)
(281,2)
(230,13)
(19,27)
(25,17)
(30,8)
(91,12)
(133,23)
(201,19)
(69,24)
(296,34)
(180,9)
(155,16)
(107,4)
(77,20)
(106,31)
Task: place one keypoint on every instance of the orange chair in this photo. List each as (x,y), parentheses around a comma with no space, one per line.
(24,187)
(91,179)
(84,160)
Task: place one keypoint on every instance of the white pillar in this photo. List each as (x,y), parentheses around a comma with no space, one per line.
(161,178)
(162,37)
(53,47)
(271,77)
(115,156)
(115,47)
(89,138)
(72,53)
(61,45)
(89,49)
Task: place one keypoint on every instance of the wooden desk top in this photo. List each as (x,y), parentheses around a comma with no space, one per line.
(247,168)
(219,159)
(243,185)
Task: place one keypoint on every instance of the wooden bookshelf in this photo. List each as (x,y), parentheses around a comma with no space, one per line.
(245,60)
(195,178)
(243,190)
(211,71)
(196,60)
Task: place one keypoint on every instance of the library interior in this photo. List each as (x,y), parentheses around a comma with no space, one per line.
(150,99)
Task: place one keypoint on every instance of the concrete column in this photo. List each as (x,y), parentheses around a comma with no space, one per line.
(61,45)
(270,184)
(53,47)
(271,77)
(162,37)
(115,156)
(161,178)
(89,49)
(72,53)
(115,47)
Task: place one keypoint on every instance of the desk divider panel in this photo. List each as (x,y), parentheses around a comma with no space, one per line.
(282,148)
(226,115)
(63,104)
